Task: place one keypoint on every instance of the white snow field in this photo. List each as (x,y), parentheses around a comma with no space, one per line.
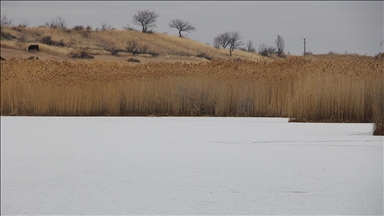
(174,165)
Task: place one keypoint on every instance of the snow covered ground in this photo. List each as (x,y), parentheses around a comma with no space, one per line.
(139,165)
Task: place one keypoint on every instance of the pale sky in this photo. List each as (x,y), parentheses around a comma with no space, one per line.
(355,27)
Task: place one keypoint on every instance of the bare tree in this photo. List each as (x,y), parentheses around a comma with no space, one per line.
(216,43)
(146,18)
(222,40)
(271,50)
(265,50)
(56,23)
(280,44)
(5,21)
(24,23)
(228,39)
(105,26)
(181,26)
(234,41)
(249,46)
(129,28)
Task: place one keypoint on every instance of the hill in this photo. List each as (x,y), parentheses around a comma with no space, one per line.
(119,45)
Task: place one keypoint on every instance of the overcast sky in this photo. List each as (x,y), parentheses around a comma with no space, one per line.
(355,27)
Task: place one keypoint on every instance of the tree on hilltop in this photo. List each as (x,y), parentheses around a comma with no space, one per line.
(280,44)
(228,39)
(181,26)
(234,41)
(222,40)
(146,19)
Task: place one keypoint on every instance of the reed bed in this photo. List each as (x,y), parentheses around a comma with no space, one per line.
(341,89)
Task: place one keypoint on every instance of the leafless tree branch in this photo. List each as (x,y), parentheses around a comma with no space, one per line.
(249,46)
(181,26)
(146,18)
(234,41)
(280,44)
(5,21)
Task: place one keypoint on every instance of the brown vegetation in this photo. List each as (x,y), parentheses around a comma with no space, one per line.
(60,41)
(378,112)
(321,90)
(329,88)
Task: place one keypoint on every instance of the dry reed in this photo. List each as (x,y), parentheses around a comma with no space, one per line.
(341,89)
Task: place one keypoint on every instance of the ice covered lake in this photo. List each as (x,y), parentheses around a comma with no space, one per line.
(173,165)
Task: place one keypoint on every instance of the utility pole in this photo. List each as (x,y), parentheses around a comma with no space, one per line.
(304,46)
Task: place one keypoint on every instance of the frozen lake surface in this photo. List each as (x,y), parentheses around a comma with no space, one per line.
(144,165)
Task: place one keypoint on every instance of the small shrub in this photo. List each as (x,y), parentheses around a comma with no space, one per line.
(24,24)
(134,48)
(204,55)
(18,28)
(47,40)
(267,51)
(114,51)
(271,50)
(111,49)
(105,27)
(143,49)
(127,27)
(78,28)
(88,28)
(60,43)
(153,54)
(56,23)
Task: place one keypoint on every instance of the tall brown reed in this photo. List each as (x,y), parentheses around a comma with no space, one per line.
(340,89)
(110,88)
(378,107)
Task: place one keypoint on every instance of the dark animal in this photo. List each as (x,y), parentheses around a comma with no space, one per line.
(32,48)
